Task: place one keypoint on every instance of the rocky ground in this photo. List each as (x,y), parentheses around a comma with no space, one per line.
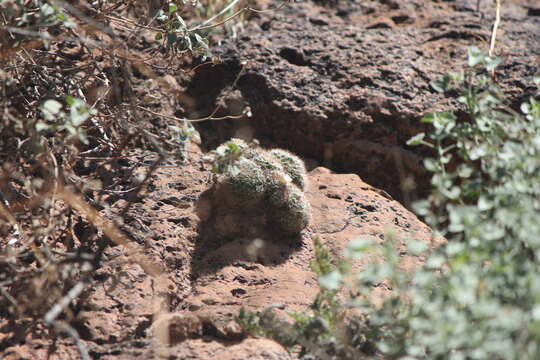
(208,279)
(342,84)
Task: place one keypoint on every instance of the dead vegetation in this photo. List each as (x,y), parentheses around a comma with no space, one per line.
(88,92)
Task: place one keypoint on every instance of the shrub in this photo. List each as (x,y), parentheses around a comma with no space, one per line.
(476,297)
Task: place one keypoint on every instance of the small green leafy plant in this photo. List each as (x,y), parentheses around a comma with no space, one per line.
(182,135)
(176,34)
(321,333)
(56,119)
(20,19)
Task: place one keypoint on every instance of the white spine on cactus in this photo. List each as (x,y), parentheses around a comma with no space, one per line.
(294,215)
(293,165)
(246,182)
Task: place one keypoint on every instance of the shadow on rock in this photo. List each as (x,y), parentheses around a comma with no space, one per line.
(238,237)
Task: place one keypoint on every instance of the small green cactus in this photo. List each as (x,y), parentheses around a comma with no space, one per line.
(293,165)
(295,213)
(265,160)
(246,182)
(278,184)
(252,179)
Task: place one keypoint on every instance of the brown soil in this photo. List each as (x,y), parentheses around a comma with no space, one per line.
(344,86)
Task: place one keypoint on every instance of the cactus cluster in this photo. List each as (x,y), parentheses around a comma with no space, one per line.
(252,180)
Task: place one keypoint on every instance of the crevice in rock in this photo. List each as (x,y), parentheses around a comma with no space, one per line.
(294,56)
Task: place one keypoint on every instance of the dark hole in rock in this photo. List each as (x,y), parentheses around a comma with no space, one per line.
(356,103)
(533,12)
(400,19)
(238,292)
(184,221)
(293,56)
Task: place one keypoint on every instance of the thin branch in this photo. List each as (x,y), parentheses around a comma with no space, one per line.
(57,309)
(239,12)
(246,111)
(495,27)
(71,332)
(208,21)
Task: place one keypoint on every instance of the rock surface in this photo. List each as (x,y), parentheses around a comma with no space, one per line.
(208,278)
(347,85)
(343,85)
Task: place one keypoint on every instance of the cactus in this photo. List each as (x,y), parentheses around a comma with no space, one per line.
(294,215)
(245,182)
(265,160)
(254,180)
(278,185)
(293,165)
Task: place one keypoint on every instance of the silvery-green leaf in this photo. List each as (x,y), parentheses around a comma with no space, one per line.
(330,281)
(52,107)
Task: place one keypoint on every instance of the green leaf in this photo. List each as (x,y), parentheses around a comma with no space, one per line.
(161,15)
(428,118)
(416,140)
(465,171)
(201,41)
(478,152)
(453,193)
(357,246)
(435,261)
(444,120)
(233,147)
(476,56)
(484,204)
(330,281)
(441,84)
(181,21)
(492,63)
(171,39)
(536,313)
(41,126)
(416,247)
(421,207)
(172,8)
(431,164)
(70,100)
(53,107)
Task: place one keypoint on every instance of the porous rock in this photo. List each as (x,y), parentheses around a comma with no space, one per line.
(348,84)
